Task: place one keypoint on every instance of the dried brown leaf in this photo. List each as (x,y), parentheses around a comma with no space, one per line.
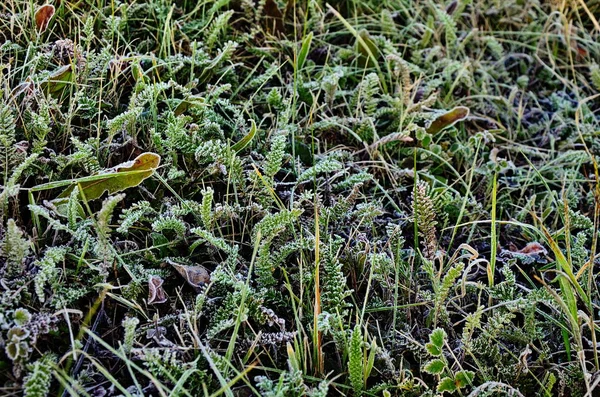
(156,293)
(448,119)
(196,276)
(43,16)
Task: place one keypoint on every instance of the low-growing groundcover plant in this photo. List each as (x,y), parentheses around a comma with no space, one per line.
(299,198)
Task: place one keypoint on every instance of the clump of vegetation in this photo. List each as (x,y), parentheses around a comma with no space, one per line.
(290,198)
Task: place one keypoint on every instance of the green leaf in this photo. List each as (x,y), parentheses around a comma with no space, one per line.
(437,337)
(304,51)
(463,378)
(58,80)
(446,384)
(121,177)
(434,367)
(246,139)
(371,359)
(448,119)
(192,101)
(433,349)
(362,44)
(426,141)
(355,360)
(367,49)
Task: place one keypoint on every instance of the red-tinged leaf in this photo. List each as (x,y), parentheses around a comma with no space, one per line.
(43,16)
(533,248)
(463,378)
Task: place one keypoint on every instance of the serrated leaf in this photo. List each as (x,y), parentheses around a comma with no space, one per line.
(433,349)
(434,367)
(437,337)
(463,378)
(355,360)
(448,119)
(446,384)
(116,179)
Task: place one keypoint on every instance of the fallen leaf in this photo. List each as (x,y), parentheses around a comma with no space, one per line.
(156,293)
(533,248)
(121,177)
(196,276)
(43,16)
(448,119)
(27,88)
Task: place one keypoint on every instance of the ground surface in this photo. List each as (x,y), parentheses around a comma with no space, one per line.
(261,197)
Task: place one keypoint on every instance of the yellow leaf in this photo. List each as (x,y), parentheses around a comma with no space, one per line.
(118,178)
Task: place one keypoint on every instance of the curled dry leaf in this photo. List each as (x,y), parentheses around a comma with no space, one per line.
(533,248)
(523,359)
(494,155)
(158,332)
(196,276)
(156,293)
(27,87)
(448,119)
(43,16)
(22,146)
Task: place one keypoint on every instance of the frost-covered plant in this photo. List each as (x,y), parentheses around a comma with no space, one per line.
(14,248)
